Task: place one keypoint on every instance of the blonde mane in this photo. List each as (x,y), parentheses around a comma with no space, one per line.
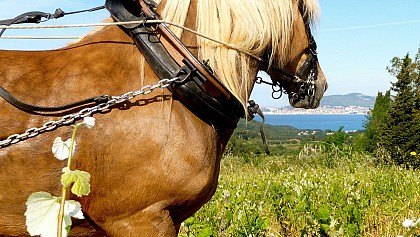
(251,25)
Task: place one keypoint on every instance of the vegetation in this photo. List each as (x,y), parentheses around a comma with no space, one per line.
(360,184)
(322,185)
(246,140)
(394,125)
(376,124)
(322,191)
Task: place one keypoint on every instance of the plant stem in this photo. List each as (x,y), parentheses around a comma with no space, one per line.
(63,189)
(73,138)
(61,212)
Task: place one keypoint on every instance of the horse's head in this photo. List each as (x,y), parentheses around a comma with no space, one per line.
(248,36)
(297,71)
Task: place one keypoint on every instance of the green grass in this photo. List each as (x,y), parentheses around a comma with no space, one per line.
(323,191)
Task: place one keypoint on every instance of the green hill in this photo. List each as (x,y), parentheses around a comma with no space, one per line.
(282,139)
(352,99)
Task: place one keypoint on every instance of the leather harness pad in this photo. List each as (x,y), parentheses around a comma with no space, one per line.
(220,109)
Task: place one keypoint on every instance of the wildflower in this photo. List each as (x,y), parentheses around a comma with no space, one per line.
(413,153)
(408,223)
(226,197)
(89,122)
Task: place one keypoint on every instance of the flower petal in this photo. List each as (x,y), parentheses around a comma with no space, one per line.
(89,122)
(408,223)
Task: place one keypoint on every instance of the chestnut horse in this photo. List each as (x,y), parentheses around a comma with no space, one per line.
(153,162)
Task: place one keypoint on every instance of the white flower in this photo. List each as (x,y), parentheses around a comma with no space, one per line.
(408,223)
(89,122)
(61,149)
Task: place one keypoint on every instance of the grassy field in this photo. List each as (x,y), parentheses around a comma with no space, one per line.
(323,191)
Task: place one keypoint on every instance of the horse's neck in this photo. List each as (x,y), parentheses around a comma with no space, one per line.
(112,50)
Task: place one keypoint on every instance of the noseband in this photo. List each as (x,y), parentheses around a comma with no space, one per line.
(308,69)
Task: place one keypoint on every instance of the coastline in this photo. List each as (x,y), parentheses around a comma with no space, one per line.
(303,113)
(322,110)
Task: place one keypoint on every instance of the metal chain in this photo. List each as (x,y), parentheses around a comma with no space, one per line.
(307,88)
(71,118)
(311,83)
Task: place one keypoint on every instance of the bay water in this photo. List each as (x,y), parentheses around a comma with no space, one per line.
(349,122)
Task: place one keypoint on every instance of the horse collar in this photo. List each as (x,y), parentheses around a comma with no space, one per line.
(198,89)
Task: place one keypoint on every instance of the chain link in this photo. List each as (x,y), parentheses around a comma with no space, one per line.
(71,118)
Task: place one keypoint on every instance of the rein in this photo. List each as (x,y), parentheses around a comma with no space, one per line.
(37,17)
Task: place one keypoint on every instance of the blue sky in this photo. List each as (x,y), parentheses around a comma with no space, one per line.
(356,39)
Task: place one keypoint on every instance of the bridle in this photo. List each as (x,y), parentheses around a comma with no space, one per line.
(308,69)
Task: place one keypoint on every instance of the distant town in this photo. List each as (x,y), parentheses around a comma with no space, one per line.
(320,110)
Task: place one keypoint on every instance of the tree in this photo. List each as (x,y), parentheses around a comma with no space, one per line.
(338,139)
(376,122)
(401,134)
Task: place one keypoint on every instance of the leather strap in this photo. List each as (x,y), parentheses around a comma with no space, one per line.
(254,108)
(173,44)
(6,95)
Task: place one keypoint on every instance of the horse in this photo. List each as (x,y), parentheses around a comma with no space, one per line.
(154,160)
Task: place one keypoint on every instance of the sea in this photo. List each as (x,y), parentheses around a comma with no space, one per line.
(349,122)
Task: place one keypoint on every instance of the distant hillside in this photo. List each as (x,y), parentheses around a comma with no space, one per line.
(353,99)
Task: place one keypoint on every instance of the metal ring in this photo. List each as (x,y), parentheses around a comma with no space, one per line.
(277,97)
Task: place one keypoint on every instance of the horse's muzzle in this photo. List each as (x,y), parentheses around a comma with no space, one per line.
(310,102)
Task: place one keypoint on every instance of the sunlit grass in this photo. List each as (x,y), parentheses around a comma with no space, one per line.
(325,191)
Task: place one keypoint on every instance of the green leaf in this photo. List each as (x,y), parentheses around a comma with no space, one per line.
(188,222)
(206,232)
(42,214)
(229,217)
(325,227)
(322,213)
(79,179)
(265,224)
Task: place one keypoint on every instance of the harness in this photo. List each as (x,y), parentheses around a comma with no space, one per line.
(195,86)
(198,89)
